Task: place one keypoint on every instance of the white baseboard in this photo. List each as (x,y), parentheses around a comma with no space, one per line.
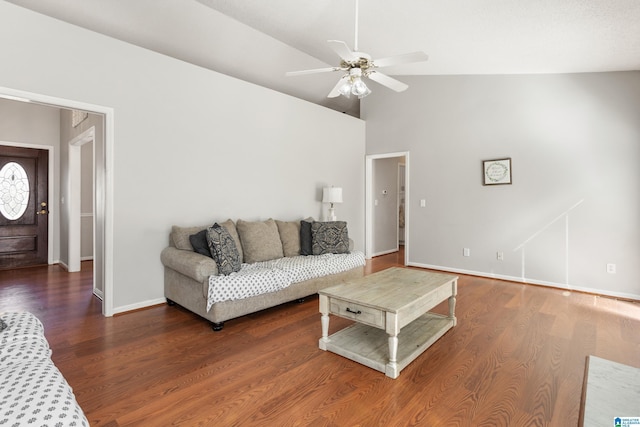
(529,281)
(98,293)
(139,305)
(390,251)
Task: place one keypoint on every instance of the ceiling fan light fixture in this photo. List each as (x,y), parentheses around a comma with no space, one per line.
(359,88)
(345,88)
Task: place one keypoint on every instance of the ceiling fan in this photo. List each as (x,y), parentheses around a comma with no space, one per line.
(358,65)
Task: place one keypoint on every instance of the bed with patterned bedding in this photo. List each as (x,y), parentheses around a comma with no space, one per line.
(33,392)
(281,262)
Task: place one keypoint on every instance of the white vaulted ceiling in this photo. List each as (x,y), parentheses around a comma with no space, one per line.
(460,36)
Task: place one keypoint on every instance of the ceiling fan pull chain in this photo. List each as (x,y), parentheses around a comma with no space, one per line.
(355,45)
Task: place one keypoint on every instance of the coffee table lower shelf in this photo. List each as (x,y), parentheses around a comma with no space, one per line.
(370,346)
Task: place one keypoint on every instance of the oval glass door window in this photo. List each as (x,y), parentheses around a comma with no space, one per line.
(14,191)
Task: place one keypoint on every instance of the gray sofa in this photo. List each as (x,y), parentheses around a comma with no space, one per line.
(187,272)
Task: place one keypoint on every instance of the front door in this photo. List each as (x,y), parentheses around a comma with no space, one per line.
(23,207)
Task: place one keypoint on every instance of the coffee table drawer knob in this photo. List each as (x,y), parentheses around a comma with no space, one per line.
(354,312)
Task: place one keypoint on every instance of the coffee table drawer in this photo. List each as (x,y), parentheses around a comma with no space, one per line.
(362,314)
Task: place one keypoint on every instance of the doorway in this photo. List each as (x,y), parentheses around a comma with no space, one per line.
(24,219)
(103,187)
(383,203)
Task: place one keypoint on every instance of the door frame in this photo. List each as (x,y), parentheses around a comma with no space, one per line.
(103,187)
(75,180)
(50,187)
(368,210)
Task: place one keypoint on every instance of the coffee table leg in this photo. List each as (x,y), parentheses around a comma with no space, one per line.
(452,302)
(324,320)
(392,367)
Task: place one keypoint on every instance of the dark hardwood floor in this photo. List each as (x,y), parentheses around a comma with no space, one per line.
(516,358)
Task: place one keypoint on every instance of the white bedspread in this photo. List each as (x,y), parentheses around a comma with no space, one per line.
(270,276)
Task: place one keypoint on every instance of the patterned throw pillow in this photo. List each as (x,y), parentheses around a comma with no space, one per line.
(329,237)
(3,325)
(223,249)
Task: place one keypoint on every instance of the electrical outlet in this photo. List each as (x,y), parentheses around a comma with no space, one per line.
(466,252)
(500,256)
(611,268)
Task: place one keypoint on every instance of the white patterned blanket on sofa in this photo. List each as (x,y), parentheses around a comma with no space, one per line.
(270,276)
(33,392)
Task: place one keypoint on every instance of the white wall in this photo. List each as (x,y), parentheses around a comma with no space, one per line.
(573,138)
(191,145)
(39,125)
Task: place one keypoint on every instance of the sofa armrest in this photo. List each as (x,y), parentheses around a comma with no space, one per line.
(191,264)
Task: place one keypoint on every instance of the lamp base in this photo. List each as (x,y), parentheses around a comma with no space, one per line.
(332,215)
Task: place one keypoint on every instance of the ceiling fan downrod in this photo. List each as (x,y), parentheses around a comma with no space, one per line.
(355,44)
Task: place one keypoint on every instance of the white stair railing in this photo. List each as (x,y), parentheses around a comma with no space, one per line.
(523,246)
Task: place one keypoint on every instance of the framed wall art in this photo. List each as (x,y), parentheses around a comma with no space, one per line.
(496,172)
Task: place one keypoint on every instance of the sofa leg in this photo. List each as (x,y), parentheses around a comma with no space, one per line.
(217,326)
(300,300)
(170,302)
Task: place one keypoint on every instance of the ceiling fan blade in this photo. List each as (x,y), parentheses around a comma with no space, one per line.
(313,71)
(342,50)
(334,92)
(400,59)
(387,81)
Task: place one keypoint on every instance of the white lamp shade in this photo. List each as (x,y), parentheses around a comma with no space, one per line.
(332,195)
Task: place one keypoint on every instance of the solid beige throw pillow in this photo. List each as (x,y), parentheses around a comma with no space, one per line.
(260,240)
(290,237)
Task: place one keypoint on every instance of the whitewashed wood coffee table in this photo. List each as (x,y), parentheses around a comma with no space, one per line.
(383,305)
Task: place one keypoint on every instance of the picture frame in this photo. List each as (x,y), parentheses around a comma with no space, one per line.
(496,171)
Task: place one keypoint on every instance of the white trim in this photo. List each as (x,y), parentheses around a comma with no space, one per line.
(50,189)
(568,287)
(74,196)
(368,211)
(390,251)
(139,305)
(107,302)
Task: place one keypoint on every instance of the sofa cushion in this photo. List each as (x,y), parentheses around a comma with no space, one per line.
(223,249)
(260,240)
(330,237)
(290,237)
(306,247)
(199,243)
(180,236)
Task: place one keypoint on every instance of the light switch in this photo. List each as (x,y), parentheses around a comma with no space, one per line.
(423,203)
